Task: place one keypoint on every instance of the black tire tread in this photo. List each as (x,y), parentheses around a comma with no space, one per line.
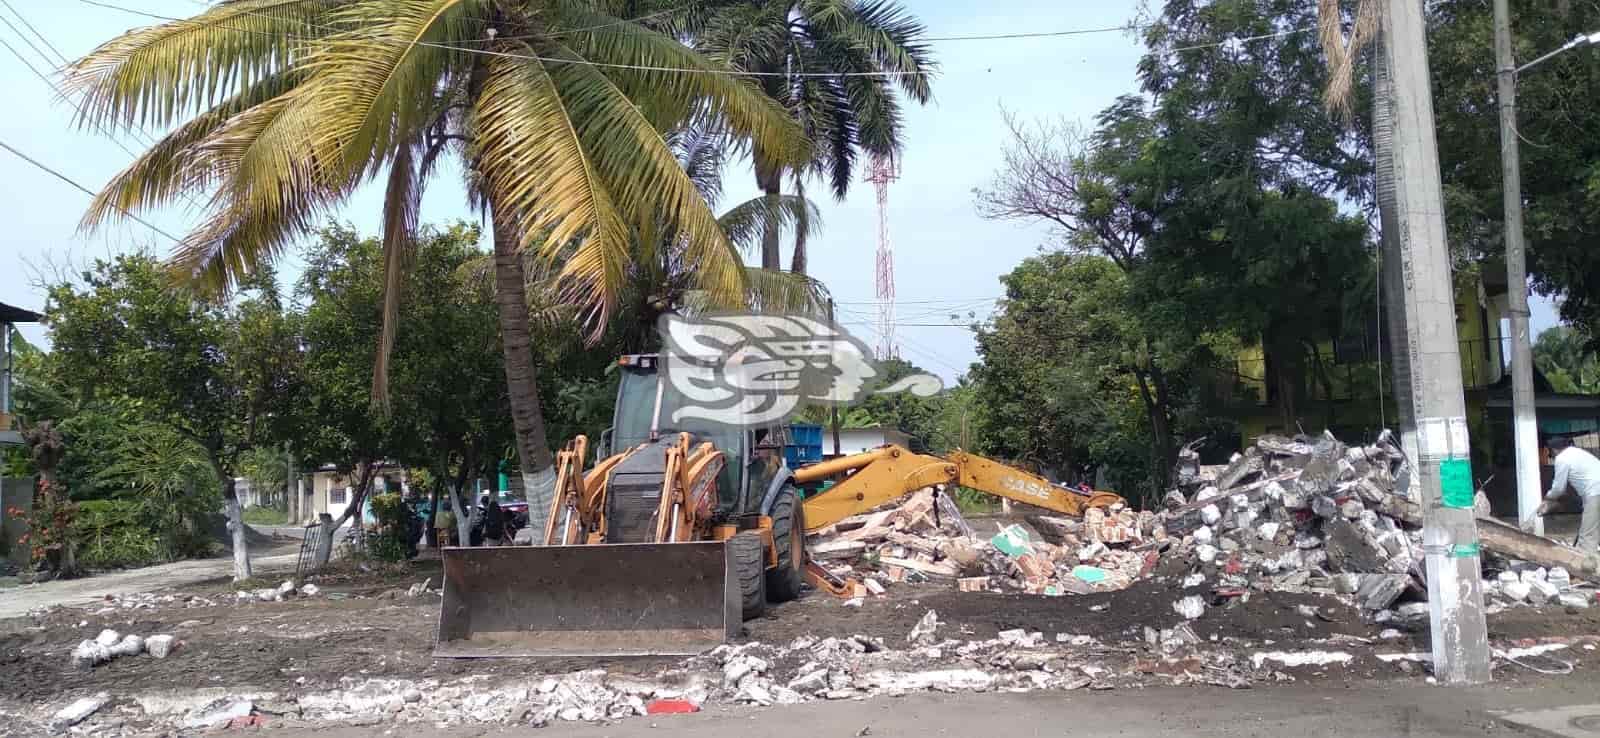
(750,568)
(788,520)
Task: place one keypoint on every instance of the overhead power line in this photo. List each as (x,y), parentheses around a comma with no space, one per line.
(85,190)
(690,70)
(21,17)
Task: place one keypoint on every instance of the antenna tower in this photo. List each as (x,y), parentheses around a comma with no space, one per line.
(882,171)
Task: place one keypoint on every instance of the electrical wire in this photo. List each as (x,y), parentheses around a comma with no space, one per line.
(85,190)
(20,17)
(686,70)
(25,39)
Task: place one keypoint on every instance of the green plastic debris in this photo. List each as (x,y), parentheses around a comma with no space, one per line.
(1090,574)
(1013,541)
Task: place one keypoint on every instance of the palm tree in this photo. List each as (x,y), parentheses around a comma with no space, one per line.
(279,109)
(662,278)
(834,65)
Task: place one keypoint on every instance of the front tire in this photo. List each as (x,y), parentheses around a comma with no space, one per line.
(750,568)
(789,537)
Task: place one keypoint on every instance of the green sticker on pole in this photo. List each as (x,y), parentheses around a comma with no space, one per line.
(1455,483)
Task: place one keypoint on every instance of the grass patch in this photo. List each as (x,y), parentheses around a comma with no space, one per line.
(265,516)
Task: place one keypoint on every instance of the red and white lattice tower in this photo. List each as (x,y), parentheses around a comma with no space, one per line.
(882,171)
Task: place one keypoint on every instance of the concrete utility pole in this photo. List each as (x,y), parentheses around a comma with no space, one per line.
(1450,537)
(1525,421)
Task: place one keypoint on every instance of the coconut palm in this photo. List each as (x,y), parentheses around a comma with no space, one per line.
(835,66)
(277,110)
(662,278)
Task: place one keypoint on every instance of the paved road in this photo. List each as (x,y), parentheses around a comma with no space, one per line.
(18,601)
(1386,710)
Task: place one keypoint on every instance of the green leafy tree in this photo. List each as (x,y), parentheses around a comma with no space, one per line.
(835,65)
(130,348)
(278,111)
(1564,357)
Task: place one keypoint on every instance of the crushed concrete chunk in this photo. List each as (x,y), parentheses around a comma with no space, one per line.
(924,633)
(1573,599)
(159,646)
(219,711)
(108,638)
(78,711)
(1190,607)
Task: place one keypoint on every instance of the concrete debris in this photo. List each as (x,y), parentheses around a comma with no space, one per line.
(216,713)
(1108,550)
(309,590)
(159,646)
(1573,599)
(1541,591)
(925,631)
(1190,607)
(1301,658)
(110,644)
(78,711)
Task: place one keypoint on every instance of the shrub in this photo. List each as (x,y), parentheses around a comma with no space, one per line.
(389,538)
(109,534)
(259,515)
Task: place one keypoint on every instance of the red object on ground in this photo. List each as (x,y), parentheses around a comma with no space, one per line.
(1234,566)
(250,721)
(671,707)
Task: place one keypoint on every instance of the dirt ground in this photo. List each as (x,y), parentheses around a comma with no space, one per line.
(364,624)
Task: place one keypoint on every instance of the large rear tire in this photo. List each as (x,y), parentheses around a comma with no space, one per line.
(750,568)
(789,537)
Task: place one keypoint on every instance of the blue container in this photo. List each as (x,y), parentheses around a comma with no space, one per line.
(805,445)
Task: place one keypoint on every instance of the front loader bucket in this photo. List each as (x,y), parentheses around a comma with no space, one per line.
(619,599)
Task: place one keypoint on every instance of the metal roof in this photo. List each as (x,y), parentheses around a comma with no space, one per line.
(14,314)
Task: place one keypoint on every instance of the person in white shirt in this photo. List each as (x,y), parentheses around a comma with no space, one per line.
(1580,470)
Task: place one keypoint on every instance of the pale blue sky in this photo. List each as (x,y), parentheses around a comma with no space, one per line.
(943,250)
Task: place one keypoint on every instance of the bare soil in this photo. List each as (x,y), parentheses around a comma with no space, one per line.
(364,624)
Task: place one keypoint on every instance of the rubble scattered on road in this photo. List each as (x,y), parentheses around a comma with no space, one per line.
(110,644)
(78,711)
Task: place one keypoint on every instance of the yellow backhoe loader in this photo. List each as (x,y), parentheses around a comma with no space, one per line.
(676,535)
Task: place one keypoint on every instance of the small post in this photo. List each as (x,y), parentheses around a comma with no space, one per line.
(833,410)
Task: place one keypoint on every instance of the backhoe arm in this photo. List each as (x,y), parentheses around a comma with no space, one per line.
(884,474)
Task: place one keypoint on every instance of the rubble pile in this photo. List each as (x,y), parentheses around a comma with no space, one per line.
(110,644)
(1308,515)
(926,539)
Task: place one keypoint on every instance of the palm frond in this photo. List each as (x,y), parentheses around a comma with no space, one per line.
(401,202)
(381,74)
(747,112)
(178,163)
(746,222)
(642,174)
(885,32)
(766,290)
(536,162)
(275,184)
(157,75)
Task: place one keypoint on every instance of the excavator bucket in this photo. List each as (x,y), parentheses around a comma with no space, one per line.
(619,599)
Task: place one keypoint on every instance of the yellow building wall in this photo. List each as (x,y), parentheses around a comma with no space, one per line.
(1477,371)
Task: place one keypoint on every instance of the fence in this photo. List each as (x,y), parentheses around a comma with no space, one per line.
(310,543)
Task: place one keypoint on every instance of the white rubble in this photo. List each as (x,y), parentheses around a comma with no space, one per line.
(79,710)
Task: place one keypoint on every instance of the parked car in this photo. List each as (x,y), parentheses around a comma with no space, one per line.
(514,509)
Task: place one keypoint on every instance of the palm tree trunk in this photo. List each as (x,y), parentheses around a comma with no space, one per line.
(769,177)
(522,379)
